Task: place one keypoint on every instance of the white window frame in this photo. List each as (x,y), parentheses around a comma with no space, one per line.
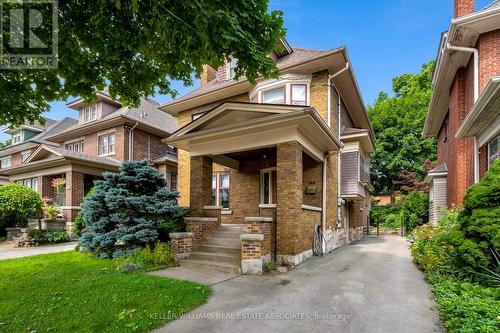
(17,137)
(3,163)
(71,146)
(108,151)
(31,183)
(25,154)
(218,187)
(88,115)
(283,87)
(305,94)
(286,82)
(270,172)
(230,67)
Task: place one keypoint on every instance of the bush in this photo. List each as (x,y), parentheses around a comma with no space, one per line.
(270,266)
(414,210)
(79,225)
(467,307)
(59,237)
(152,257)
(385,216)
(126,210)
(17,204)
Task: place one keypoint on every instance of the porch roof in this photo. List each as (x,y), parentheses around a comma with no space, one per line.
(48,157)
(236,126)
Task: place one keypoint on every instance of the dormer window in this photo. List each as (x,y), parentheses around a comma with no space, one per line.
(17,137)
(232,68)
(89,113)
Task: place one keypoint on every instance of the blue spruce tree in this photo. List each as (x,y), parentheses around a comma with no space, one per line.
(126,210)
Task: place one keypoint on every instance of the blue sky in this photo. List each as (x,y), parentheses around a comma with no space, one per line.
(384,38)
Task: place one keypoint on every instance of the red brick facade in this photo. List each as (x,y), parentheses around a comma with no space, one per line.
(463,7)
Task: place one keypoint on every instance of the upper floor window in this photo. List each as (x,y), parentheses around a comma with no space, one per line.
(107,144)
(89,113)
(17,137)
(274,96)
(75,146)
(298,94)
(25,154)
(232,68)
(5,162)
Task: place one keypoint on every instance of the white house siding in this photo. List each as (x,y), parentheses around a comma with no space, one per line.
(437,199)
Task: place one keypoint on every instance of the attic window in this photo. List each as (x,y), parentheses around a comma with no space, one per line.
(232,68)
(17,137)
(89,113)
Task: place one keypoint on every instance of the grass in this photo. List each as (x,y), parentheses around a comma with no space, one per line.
(75,292)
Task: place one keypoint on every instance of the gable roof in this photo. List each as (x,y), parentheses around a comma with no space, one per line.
(43,151)
(35,126)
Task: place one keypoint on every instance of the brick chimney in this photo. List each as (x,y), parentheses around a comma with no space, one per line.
(463,7)
(208,74)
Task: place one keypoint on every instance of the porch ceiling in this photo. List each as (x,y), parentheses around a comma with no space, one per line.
(219,132)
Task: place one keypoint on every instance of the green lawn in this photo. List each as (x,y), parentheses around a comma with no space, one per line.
(74,292)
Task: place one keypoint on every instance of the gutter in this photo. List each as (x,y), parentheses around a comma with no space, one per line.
(476,96)
(131,141)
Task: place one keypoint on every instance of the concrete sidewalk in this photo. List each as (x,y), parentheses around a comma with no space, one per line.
(8,251)
(369,286)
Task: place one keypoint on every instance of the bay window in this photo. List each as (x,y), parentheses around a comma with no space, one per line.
(298,94)
(107,144)
(274,96)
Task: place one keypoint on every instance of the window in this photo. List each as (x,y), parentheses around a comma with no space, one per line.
(232,68)
(274,96)
(25,154)
(107,144)
(299,94)
(173,181)
(220,189)
(5,162)
(17,137)
(89,113)
(75,146)
(268,186)
(31,183)
(493,152)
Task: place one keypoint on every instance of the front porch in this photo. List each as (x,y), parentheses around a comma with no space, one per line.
(283,184)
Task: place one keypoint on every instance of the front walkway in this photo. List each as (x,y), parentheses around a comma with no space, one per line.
(368,286)
(8,251)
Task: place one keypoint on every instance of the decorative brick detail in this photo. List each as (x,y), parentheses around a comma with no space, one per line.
(181,244)
(201,184)
(201,227)
(289,205)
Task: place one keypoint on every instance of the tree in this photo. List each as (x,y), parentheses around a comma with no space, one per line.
(126,210)
(17,204)
(398,122)
(136,47)
(6,143)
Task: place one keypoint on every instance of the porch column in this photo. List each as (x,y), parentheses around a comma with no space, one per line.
(289,200)
(201,184)
(74,194)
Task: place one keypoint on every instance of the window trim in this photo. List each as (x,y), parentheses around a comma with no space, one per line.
(80,144)
(170,183)
(6,158)
(218,188)
(18,134)
(25,154)
(228,68)
(261,181)
(488,157)
(108,153)
(89,108)
(305,93)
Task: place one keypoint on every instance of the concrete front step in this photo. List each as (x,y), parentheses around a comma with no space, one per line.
(216,256)
(236,250)
(226,235)
(232,242)
(212,266)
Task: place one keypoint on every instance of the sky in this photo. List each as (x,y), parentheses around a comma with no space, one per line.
(384,38)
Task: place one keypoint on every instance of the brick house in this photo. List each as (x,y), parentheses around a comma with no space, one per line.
(464,113)
(79,151)
(263,159)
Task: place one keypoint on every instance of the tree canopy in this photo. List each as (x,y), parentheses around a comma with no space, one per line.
(137,47)
(398,122)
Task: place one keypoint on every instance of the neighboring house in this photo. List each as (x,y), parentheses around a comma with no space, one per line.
(270,151)
(105,135)
(464,113)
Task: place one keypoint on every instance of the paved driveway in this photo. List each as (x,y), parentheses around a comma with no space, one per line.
(368,286)
(8,251)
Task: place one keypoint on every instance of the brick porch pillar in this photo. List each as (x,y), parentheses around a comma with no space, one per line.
(289,199)
(201,184)
(74,194)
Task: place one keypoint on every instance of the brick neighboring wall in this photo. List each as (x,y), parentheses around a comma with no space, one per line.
(147,145)
(289,190)
(463,7)
(489,57)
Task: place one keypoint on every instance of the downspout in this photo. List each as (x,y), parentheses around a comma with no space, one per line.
(476,96)
(329,122)
(130,141)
